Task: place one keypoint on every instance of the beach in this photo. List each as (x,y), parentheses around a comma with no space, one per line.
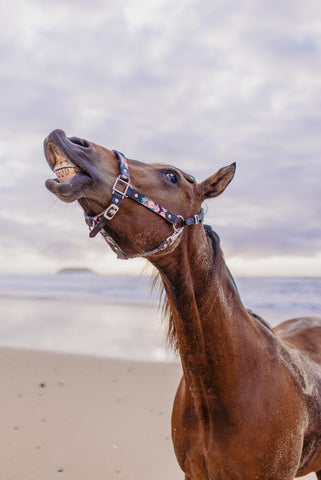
(87,383)
(81,417)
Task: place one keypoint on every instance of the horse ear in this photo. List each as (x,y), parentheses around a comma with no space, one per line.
(217,183)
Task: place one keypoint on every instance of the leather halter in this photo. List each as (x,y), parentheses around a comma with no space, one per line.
(121,189)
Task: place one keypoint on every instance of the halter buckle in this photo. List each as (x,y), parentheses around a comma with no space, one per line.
(121,186)
(196,219)
(111,211)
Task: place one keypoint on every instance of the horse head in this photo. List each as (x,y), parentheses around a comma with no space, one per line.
(101,179)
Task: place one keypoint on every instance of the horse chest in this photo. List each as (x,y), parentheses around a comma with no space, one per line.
(196,440)
(221,449)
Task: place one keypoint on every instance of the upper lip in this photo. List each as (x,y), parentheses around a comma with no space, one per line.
(71,148)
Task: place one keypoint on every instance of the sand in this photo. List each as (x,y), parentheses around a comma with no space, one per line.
(78,418)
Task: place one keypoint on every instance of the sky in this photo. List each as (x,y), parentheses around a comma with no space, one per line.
(196,84)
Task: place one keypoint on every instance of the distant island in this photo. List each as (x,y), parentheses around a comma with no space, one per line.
(76,270)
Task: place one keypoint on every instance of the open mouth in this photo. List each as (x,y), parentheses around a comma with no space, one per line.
(65,157)
(65,169)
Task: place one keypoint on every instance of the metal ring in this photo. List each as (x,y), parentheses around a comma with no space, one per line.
(176,228)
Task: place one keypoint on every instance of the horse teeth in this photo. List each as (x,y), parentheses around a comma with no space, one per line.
(65,169)
(65,174)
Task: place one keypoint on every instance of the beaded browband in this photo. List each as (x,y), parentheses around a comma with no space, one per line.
(121,189)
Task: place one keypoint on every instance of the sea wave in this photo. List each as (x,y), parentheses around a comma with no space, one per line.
(117,316)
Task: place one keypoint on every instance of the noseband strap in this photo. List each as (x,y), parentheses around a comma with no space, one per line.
(121,189)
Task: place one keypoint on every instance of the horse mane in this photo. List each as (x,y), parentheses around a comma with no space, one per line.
(157,284)
(165,310)
(260,319)
(158,281)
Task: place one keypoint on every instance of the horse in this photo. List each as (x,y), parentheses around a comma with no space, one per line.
(248,405)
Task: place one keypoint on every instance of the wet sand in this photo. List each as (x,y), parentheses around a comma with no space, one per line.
(81,417)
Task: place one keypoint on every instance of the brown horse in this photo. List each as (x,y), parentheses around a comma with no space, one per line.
(249,403)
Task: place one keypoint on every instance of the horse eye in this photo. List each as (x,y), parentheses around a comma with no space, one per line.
(172,177)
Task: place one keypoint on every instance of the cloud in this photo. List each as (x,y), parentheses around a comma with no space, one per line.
(198,86)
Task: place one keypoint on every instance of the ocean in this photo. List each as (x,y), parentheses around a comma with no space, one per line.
(117,316)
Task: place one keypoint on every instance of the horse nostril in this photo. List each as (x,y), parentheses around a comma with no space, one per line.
(80,141)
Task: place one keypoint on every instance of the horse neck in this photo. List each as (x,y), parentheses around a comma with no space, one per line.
(214,331)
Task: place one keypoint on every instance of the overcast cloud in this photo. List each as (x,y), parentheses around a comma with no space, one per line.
(197,84)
